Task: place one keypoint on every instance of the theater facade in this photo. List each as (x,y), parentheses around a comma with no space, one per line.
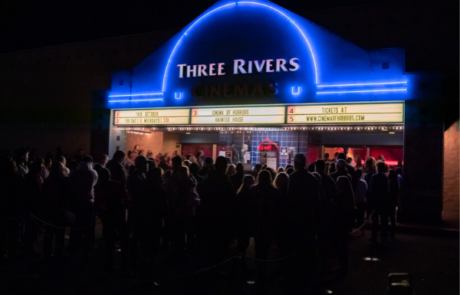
(254,82)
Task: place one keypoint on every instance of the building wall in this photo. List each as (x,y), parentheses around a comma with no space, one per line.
(152,142)
(47,94)
(450,212)
(169,143)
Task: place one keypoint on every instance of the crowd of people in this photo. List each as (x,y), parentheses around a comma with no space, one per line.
(147,206)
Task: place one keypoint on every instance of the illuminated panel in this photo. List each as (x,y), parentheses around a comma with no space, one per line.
(256,115)
(152,117)
(350,114)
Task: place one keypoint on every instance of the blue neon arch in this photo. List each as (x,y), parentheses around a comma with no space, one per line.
(233,4)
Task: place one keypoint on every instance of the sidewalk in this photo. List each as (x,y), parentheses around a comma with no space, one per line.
(433,263)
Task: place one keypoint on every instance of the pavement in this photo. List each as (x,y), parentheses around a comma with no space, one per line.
(432,261)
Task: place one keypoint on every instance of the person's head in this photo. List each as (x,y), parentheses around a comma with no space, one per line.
(326,156)
(288,166)
(151,163)
(336,154)
(136,148)
(149,154)
(248,181)
(194,168)
(369,164)
(299,162)
(141,164)
(343,185)
(320,166)
(332,168)
(167,174)
(280,170)
(119,156)
(37,167)
(341,156)
(264,178)
(188,156)
(392,175)
(199,154)
(9,167)
(186,163)
(192,159)
(80,153)
(381,167)
(349,160)
(240,168)
(281,180)
(257,168)
(208,162)
(57,170)
(62,159)
(48,163)
(272,172)
(176,162)
(103,175)
(22,156)
(221,165)
(311,167)
(341,165)
(381,158)
(183,173)
(359,173)
(289,171)
(231,169)
(97,167)
(358,162)
(103,159)
(131,170)
(141,153)
(155,176)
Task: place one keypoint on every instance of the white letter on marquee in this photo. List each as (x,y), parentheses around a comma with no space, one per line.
(250,67)
(211,70)
(181,66)
(193,71)
(238,65)
(293,63)
(202,70)
(268,67)
(220,69)
(280,64)
(259,67)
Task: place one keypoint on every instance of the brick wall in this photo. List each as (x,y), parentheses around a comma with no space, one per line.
(450,213)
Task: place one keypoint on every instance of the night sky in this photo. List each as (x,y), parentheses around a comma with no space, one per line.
(34,23)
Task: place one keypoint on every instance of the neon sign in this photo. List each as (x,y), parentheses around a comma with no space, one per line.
(266,65)
(267,145)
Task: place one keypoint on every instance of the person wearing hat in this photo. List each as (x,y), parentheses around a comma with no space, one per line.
(303,199)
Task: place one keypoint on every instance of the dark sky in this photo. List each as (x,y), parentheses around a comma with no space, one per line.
(26,24)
